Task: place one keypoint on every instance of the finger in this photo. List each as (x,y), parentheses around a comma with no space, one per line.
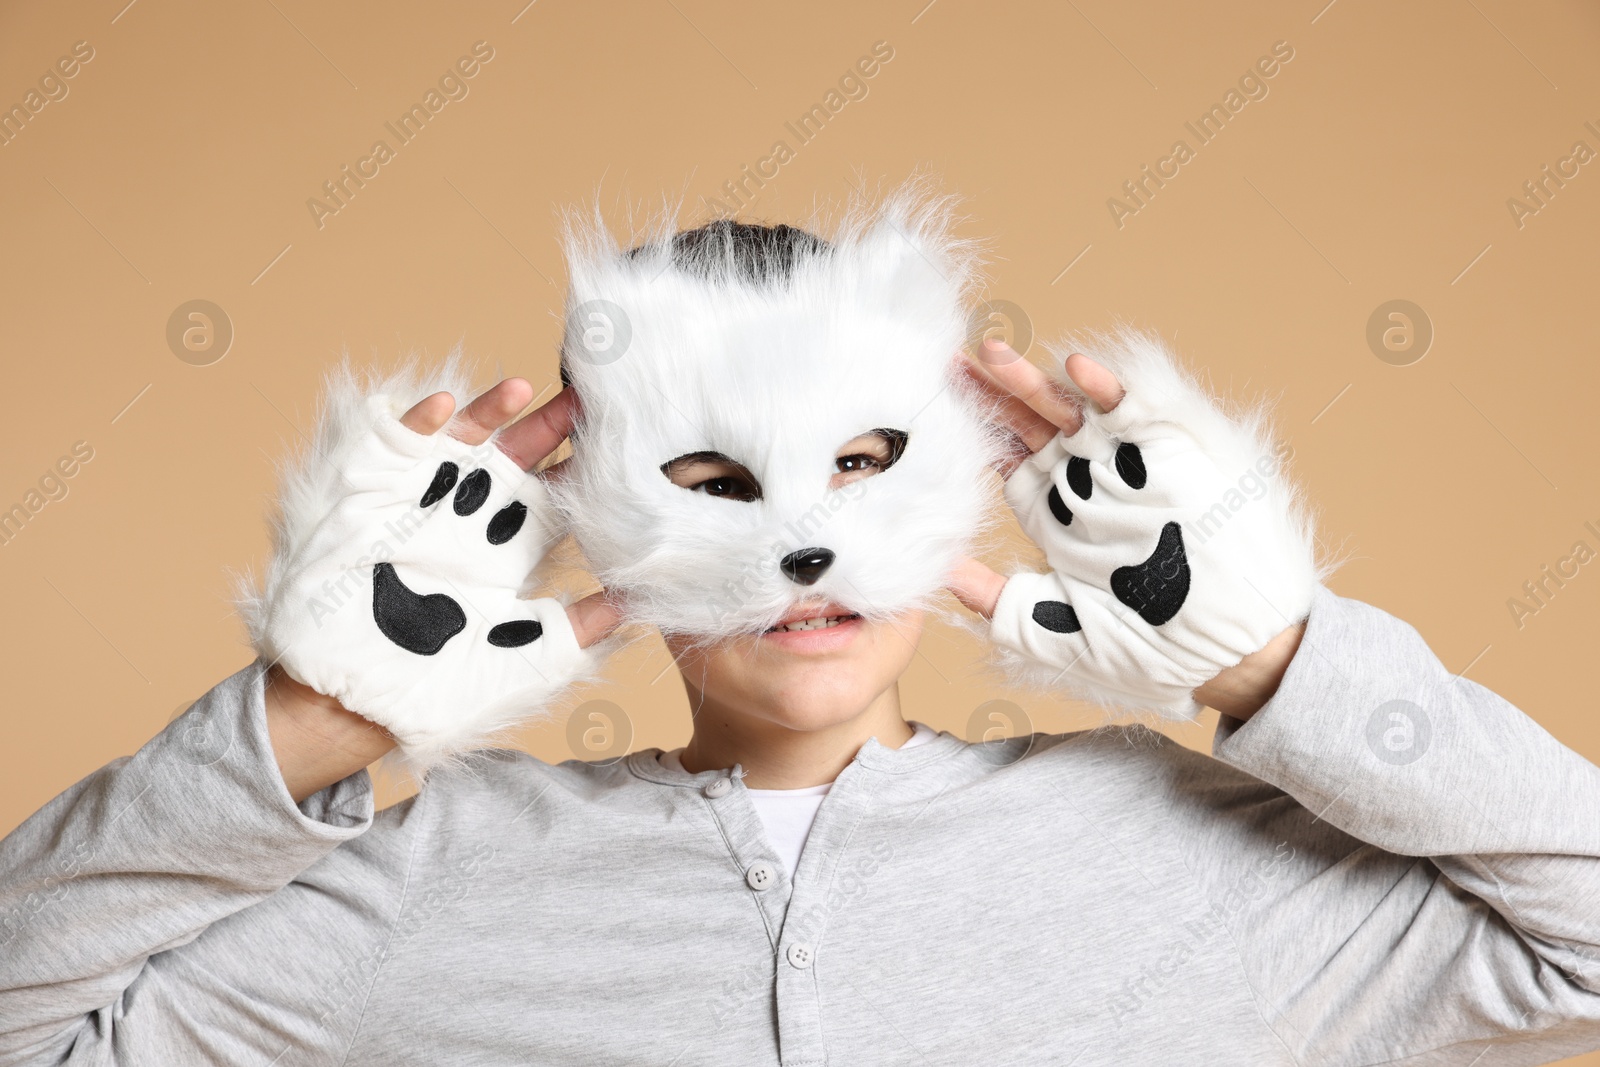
(1030,385)
(491,411)
(594,617)
(537,434)
(1029,431)
(429,413)
(1033,428)
(976,585)
(1097,383)
(1014,458)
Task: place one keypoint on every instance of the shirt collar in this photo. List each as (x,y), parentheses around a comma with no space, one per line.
(646,764)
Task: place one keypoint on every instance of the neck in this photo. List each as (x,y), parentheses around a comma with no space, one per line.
(774,756)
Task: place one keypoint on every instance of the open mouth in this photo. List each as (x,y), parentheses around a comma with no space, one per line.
(821,622)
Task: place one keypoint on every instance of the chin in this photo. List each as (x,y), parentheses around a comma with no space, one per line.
(812,696)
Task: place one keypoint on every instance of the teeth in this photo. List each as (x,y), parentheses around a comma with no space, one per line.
(820,623)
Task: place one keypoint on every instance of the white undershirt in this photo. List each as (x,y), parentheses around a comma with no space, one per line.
(787,814)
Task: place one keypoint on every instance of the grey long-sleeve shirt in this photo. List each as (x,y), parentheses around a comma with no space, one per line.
(1386,865)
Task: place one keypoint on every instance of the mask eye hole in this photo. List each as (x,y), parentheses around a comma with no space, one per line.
(871,453)
(714,474)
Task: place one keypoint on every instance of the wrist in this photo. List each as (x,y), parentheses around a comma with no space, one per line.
(315,739)
(1243,689)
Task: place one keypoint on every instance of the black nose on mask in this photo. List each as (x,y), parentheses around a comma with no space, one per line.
(804,566)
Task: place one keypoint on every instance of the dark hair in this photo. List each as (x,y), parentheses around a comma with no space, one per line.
(742,251)
(747,252)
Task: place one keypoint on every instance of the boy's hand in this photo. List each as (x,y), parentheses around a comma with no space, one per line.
(1155,599)
(400,560)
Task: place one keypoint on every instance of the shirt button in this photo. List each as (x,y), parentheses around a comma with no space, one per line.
(800,955)
(719,788)
(760,876)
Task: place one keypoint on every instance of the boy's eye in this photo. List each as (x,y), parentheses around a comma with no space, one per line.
(872,453)
(713,474)
(727,485)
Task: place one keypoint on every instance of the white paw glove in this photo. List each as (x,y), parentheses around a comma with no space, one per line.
(397,562)
(1176,547)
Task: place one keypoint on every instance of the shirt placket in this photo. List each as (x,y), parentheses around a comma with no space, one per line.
(802,943)
(753,855)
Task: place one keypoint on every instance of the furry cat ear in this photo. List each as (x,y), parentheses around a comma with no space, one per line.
(910,258)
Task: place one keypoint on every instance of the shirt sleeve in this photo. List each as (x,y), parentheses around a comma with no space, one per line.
(1412,872)
(178,905)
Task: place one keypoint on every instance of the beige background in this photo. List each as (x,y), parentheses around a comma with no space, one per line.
(179,164)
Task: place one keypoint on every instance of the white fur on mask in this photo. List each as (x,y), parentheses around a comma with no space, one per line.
(778,376)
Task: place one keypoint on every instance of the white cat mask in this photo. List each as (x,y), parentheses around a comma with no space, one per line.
(773,349)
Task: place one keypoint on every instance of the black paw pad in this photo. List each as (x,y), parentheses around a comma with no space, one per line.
(506,522)
(1058,507)
(1078,477)
(1056,617)
(444,480)
(1156,588)
(516,634)
(417,623)
(1130,466)
(472,492)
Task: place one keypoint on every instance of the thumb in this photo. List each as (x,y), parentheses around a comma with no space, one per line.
(594,617)
(976,585)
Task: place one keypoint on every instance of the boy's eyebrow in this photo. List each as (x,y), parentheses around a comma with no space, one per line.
(671,465)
